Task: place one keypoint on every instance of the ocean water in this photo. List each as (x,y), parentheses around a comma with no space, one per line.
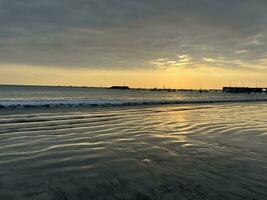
(29,96)
(71,143)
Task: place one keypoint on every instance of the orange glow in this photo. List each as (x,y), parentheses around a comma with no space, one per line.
(173,77)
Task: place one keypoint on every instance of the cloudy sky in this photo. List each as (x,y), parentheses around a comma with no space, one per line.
(144,43)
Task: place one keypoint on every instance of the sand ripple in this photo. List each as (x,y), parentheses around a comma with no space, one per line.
(142,152)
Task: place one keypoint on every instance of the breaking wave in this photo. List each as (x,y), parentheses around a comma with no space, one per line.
(89,103)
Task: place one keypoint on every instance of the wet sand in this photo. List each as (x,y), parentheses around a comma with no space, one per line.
(199,151)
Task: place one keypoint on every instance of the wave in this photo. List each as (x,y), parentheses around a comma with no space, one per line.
(91,103)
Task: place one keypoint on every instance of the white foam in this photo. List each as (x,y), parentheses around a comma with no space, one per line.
(119,102)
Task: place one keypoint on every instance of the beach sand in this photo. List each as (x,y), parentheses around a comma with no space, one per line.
(200,151)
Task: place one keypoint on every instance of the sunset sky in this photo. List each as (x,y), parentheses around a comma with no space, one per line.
(142,43)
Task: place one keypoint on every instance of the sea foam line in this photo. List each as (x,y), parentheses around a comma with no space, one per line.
(78,103)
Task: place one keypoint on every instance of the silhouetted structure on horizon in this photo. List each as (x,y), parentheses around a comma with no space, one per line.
(244,90)
(120,87)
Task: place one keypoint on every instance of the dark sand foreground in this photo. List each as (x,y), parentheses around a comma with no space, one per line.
(193,152)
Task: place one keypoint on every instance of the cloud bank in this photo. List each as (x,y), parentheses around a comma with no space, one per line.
(134,34)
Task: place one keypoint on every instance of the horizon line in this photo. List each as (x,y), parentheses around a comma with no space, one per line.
(81,86)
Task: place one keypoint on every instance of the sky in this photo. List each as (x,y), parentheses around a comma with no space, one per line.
(141,43)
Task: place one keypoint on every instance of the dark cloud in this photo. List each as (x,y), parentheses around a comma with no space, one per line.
(131,33)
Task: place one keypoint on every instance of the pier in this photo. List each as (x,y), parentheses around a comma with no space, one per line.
(244,90)
(120,87)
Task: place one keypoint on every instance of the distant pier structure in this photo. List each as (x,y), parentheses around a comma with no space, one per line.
(244,90)
(120,87)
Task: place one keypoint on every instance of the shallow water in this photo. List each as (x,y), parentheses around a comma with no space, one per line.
(200,151)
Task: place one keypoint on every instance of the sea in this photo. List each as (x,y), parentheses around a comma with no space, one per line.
(71,143)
